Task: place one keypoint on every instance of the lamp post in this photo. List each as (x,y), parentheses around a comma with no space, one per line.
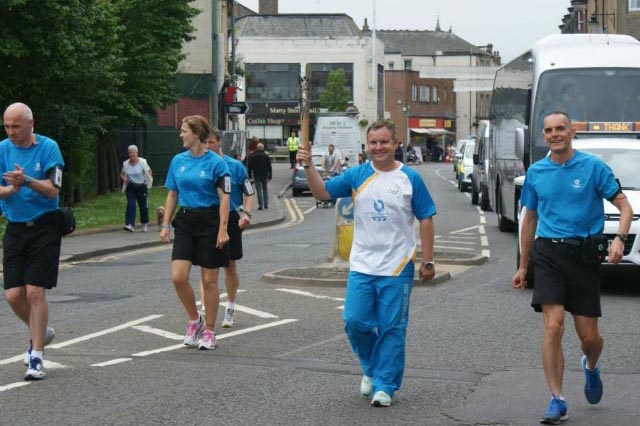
(405,109)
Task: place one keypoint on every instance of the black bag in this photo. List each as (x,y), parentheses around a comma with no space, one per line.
(65,221)
(595,249)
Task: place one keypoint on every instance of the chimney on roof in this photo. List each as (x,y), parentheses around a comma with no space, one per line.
(365,27)
(268,7)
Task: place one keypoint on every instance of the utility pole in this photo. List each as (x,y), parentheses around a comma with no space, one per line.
(213,120)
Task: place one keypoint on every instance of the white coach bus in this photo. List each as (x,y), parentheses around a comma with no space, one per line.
(594,78)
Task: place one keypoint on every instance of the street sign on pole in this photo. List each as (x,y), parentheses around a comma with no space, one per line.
(238,108)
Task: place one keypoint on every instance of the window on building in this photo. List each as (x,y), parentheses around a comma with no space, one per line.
(434,94)
(634,5)
(391,65)
(320,78)
(424,93)
(272,82)
(407,64)
(414,92)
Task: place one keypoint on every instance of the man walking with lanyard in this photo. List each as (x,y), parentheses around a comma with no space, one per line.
(239,219)
(31,167)
(563,194)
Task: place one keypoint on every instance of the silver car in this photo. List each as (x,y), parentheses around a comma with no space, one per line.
(479,177)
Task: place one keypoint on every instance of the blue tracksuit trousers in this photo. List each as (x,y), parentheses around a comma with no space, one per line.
(376,314)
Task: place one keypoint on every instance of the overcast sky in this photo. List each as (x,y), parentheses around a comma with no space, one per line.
(510,25)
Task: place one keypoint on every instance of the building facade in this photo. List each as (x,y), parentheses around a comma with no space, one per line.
(602,17)
(275,51)
(442,55)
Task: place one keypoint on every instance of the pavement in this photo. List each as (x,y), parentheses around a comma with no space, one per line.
(85,244)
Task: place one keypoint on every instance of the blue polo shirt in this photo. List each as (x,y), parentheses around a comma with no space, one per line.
(27,205)
(196,179)
(569,197)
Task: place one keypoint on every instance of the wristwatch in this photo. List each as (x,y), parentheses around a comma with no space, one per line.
(27,180)
(242,210)
(428,265)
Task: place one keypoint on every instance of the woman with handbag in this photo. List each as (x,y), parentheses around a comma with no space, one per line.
(137,179)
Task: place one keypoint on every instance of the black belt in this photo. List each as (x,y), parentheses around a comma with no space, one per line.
(46,218)
(573,242)
(199,209)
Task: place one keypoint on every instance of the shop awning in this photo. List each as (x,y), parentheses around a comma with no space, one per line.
(431,131)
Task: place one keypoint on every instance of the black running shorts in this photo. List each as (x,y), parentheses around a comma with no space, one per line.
(235,236)
(196,234)
(561,277)
(31,253)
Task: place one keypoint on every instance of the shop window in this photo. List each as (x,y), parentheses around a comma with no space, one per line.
(634,5)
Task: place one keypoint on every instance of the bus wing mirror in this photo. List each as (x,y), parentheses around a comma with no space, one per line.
(476,158)
(521,140)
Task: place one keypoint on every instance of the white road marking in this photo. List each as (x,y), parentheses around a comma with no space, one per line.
(454,248)
(252,311)
(309,294)
(220,337)
(484,241)
(457,242)
(486,253)
(459,231)
(53,365)
(482,219)
(158,332)
(103,332)
(111,362)
(13,386)
(222,296)
(310,210)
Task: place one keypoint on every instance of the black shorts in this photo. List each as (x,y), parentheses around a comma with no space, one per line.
(31,253)
(235,236)
(561,277)
(196,234)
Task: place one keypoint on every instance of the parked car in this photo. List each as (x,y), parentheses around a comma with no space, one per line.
(459,146)
(465,166)
(479,177)
(623,156)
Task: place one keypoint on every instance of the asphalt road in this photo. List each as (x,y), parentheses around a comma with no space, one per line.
(472,348)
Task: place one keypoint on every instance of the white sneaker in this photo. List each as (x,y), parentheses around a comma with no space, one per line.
(194,331)
(144,227)
(48,338)
(35,370)
(381,399)
(129,228)
(228,320)
(207,341)
(366,386)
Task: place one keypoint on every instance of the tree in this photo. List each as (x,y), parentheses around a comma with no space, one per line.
(336,95)
(87,67)
(61,58)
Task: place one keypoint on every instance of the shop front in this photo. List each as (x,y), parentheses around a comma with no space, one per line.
(432,136)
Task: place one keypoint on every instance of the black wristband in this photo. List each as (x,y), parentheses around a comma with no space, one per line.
(622,238)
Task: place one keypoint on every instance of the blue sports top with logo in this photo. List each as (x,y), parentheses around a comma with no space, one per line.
(36,159)
(240,183)
(568,197)
(386,205)
(196,179)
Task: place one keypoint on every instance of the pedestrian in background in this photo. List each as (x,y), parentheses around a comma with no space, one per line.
(293,144)
(199,181)
(137,179)
(563,194)
(261,172)
(239,219)
(389,196)
(31,167)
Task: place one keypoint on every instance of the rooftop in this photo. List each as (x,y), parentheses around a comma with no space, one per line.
(297,25)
